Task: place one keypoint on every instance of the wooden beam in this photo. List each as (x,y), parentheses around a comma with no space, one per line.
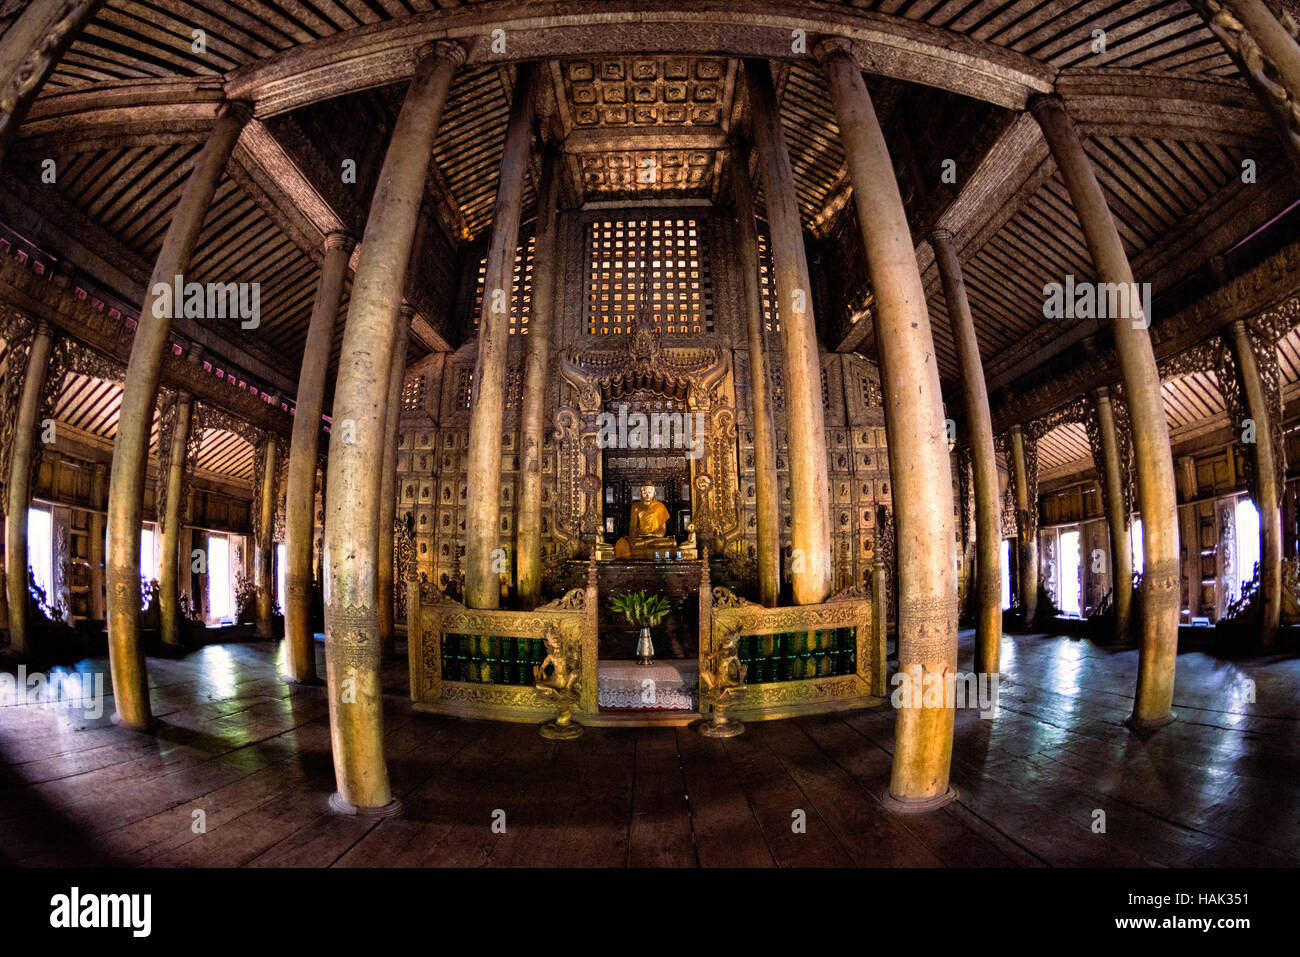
(36,297)
(1004,181)
(384,53)
(1273,283)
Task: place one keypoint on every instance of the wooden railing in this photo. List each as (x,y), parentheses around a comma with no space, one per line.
(480,663)
(799,659)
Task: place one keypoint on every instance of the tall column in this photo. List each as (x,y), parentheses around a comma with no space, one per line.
(264,536)
(765,483)
(482,517)
(356,444)
(528,539)
(169,612)
(984,463)
(388,486)
(1265,52)
(98,477)
(810,508)
(135,418)
(29,51)
(300,485)
(1026,530)
(1268,495)
(20,485)
(1273,40)
(919,462)
(1153,458)
(1191,534)
(1117,516)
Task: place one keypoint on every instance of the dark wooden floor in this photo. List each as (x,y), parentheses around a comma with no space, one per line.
(1218,787)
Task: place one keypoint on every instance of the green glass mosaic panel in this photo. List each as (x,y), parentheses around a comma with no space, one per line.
(799,655)
(491,659)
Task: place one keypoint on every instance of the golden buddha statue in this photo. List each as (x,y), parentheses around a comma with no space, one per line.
(649,518)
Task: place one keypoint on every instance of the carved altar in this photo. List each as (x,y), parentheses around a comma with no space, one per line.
(693,382)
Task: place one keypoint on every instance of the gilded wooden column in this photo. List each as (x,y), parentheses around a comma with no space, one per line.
(1117,516)
(919,465)
(482,513)
(810,530)
(533,425)
(169,612)
(766,492)
(300,484)
(1153,458)
(1266,492)
(1026,528)
(356,444)
(135,419)
(268,454)
(29,51)
(98,482)
(984,463)
(388,486)
(1263,45)
(20,485)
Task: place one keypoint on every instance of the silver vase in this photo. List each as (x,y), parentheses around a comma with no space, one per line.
(645,648)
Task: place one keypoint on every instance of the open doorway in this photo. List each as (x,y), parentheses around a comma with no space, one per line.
(1071,584)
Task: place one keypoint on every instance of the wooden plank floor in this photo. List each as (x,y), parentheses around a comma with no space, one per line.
(252,755)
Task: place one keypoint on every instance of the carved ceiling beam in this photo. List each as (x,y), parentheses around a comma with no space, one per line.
(1265,294)
(49,220)
(111,115)
(1235,211)
(381,53)
(282,191)
(625,139)
(1005,179)
(35,297)
(1122,102)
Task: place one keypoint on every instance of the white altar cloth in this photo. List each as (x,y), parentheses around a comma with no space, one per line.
(662,686)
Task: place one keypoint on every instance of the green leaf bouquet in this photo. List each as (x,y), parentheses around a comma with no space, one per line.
(640,609)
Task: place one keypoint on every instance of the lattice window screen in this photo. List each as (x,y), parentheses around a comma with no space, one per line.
(413,393)
(464,388)
(767,290)
(521,291)
(665,257)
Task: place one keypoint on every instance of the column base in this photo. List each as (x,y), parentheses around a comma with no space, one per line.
(1135,723)
(917,805)
(339,806)
(149,727)
(302,682)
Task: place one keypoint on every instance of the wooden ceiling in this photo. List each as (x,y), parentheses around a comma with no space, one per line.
(135,39)
(1193,403)
(620,114)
